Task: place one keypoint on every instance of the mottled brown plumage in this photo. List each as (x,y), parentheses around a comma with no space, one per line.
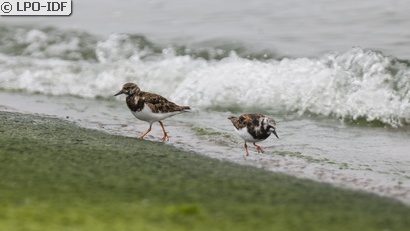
(253,128)
(156,103)
(150,107)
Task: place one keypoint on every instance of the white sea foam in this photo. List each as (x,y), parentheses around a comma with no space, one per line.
(356,84)
(353,85)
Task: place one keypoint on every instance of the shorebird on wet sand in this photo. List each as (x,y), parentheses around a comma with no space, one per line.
(253,128)
(150,107)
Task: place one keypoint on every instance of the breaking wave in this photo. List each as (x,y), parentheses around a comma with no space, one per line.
(355,85)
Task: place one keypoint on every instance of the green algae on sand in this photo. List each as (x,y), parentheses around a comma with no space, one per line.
(55,175)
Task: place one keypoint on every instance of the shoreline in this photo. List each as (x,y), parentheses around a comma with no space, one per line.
(82,170)
(113,118)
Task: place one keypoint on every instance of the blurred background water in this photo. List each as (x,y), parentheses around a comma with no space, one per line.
(293,28)
(335,75)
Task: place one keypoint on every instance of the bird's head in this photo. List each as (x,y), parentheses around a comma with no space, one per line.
(270,124)
(129,89)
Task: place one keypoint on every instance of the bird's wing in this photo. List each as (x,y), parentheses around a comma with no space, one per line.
(159,103)
(250,120)
(243,121)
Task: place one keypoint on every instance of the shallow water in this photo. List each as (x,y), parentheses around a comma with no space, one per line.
(335,75)
(319,149)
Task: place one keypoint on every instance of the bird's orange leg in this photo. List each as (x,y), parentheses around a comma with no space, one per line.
(259,148)
(246,149)
(165,137)
(143,135)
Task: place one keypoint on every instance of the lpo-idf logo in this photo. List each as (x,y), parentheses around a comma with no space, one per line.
(35,7)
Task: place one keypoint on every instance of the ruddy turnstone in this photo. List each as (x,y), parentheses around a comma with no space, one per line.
(150,107)
(254,128)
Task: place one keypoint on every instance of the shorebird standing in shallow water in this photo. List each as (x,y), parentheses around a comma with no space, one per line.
(150,107)
(253,128)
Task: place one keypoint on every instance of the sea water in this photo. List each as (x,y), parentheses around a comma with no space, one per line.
(335,76)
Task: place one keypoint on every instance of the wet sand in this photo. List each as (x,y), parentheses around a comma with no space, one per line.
(56,175)
(294,154)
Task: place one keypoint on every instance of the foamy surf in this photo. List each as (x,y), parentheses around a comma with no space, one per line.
(354,85)
(75,75)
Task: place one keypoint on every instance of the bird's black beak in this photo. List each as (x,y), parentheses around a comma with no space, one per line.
(119,93)
(274,132)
